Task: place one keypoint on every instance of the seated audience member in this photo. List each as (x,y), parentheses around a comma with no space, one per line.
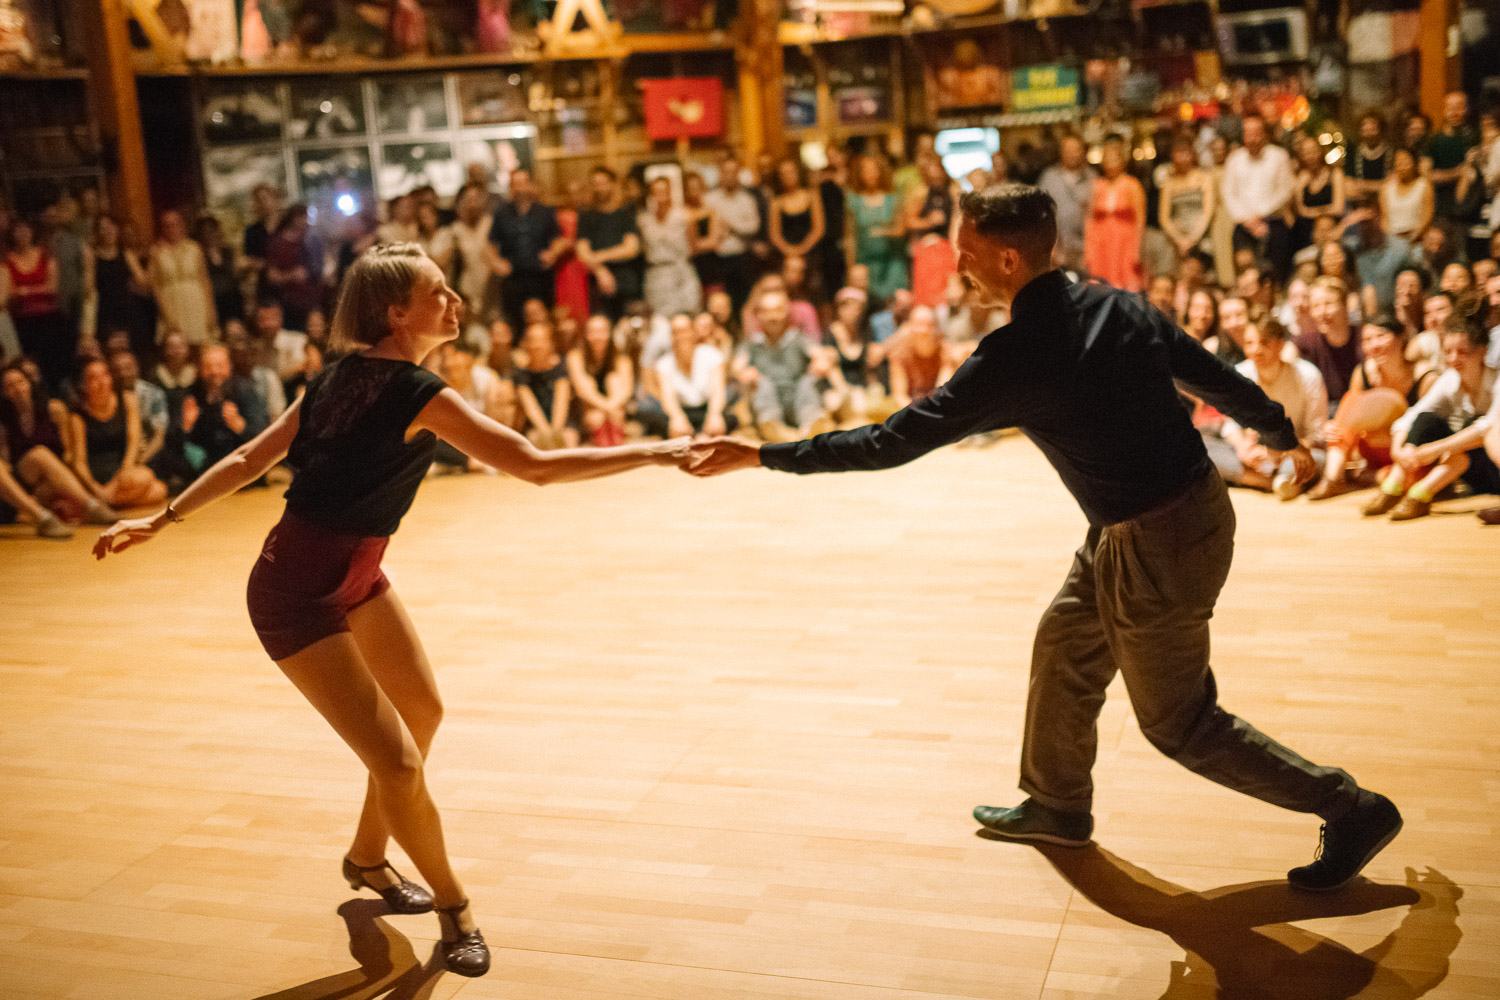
(244,361)
(220,413)
(105,447)
(859,277)
(1228,345)
(35,430)
(312,367)
(603,380)
(1436,250)
(1407,301)
(14,495)
(1240,457)
(721,307)
(777,368)
(1162,293)
(1384,385)
(543,390)
(849,397)
(1426,348)
(150,398)
(693,394)
(710,332)
(799,285)
(919,363)
(1456,280)
(501,357)
(1483,272)
(1336,262)
(176,373)
(801,315)
(885,323)
(1201,316)
(1441,438)
(1192,276)
(1295,313)
(1331,345)
(317,329)
(274,346)
(482,389)
(1254,286)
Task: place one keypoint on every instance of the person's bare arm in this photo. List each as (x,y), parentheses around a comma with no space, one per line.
(583,383)
(619,385)
(496,264)
(585,253)
(132,430)
(900,384)
(1339,196)
(1427,209)
(773,230)
(816,233)
(562,399)
(76,454)
(234,471)
(499,447)
(531,406)
(627,249)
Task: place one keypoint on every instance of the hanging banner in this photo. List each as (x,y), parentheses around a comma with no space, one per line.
(684,108)
(1043,88)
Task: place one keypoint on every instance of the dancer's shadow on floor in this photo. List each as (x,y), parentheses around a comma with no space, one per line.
(1241,944)
(388,968)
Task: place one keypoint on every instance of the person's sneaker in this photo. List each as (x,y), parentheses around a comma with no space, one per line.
(1346,844)
(1380,503)
(1032,822)
(100,513)
(1286,488)
(1409,509)
(51,527)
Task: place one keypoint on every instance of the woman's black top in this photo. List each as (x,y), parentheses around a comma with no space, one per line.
(44,433)
(105,441)
(356,472)
(1320,198)
(112,284)
(939,199)
(855,371)
(796,226)
(228,301)
(542,382)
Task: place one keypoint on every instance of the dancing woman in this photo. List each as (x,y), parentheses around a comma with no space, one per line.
(361,438)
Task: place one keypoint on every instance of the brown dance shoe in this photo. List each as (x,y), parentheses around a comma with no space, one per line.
(1409,509)
(1380,503)
(402,896)
(1490,515)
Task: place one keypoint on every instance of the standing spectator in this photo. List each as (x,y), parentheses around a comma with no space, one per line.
(151,399)
(294,267)
(179,278)
(875,218)
(401,225)
(1417,133)
(1366,164)
(1441,438)
(690,379)
(113,281)
(602,378)
(739,213)
(609,244)
(70,250)
(41,325)
(1221,229)
(671,285)
(1447,153)
(544,391)
(223,270)
(929,218)
(1406,198)
(1116,222)
(1070,182)
(137,252)
(526,235)
(1187,200)
(265,212)
(706,231)
(796,215)
(571,290)
(1257,188)
(465,252)
(829,256)
(776,368)
(1319,191)
(105,446)
(220,412)
(1331,347)
(1239,455)
(36,429)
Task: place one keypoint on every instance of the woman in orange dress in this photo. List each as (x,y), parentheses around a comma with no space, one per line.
(1116,221)
(572,275)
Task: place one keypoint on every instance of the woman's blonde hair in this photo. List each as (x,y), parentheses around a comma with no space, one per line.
(383,276)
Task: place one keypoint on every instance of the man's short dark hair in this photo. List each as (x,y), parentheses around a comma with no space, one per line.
(1017,215)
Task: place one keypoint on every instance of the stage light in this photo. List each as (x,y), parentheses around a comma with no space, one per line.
(347,204)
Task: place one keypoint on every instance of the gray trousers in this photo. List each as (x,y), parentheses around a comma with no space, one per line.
(795,404)
(1138,600)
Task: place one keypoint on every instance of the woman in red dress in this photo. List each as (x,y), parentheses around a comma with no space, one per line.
(572,275)
(1117,220)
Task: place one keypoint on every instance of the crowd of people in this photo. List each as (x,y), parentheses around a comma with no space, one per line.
(1358,287)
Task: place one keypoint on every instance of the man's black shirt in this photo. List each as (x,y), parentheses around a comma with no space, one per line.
(521,237)
(1089,374)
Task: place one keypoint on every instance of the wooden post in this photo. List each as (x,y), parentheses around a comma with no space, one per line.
(1439,70)
(762,89)
(112,96)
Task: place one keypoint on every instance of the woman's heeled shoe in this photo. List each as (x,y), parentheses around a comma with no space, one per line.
(464,952)
(405,896)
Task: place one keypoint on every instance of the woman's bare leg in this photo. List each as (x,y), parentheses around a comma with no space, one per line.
(13,493)
(395,657)
(40,465)
(333,676)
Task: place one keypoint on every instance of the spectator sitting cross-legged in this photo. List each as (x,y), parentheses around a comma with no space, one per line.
(691,386)
(777,368)
(105,446)
(544,391)
(603,380)
(221,412)
(35,474)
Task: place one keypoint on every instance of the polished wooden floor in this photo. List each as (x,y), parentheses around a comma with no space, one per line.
(720,740)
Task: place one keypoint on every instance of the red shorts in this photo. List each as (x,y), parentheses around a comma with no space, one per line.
(306,582)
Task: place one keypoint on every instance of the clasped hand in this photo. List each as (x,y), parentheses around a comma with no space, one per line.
(716,456)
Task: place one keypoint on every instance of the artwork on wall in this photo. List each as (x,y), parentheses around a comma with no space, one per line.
(411,104)
(969,76)
(408,165)
(241,113)
(326,109)
(493,98)
(231,174)
(500,150)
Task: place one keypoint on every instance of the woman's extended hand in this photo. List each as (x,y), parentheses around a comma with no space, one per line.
(123,534)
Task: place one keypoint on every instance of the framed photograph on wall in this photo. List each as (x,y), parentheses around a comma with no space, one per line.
(408,165)
(326,109)
(499,151)
(230,175)
(493,97)
(411,104)
(237,113)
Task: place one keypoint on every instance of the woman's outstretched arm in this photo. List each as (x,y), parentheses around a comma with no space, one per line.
(238,469)
(499,447)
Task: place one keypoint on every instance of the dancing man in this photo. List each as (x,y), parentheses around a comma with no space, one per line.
(362,437)
(1087,372)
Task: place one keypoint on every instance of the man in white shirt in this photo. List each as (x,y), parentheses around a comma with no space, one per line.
(1258,185)
(737,209)
(285,351)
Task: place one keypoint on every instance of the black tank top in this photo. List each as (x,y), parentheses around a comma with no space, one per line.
(356,472)
(1322,197)
(796,226)
(112,283)
(939,199)
(854,369)
(105,441)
